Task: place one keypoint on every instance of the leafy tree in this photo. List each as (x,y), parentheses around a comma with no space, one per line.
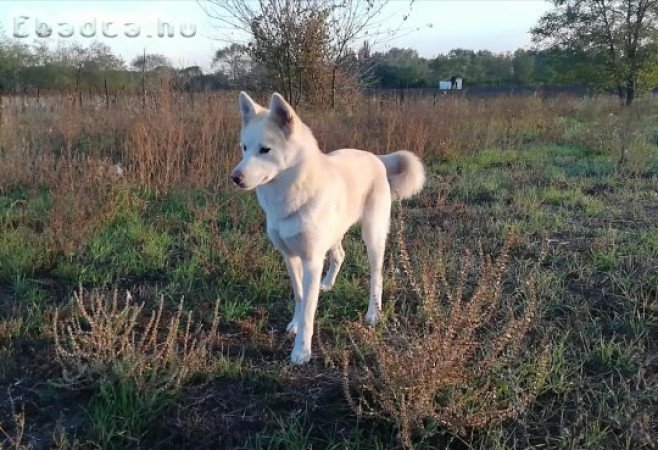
(62,67)
(235,64)
(149,61)
(565,67)
(617,35)
(523,67)
(492,69)
(401,68)
(14,58)
(95,62)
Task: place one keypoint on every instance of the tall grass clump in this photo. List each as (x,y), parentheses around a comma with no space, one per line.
(181,144)
(461,361)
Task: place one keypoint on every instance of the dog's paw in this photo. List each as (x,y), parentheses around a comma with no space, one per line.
(325,286)
(372,317)
(292,327)
(300,356)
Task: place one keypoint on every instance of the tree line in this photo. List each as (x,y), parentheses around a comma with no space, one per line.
(404,68)
(93,67)
(309,51)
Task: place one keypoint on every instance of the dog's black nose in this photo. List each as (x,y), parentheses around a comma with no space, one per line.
(237,177)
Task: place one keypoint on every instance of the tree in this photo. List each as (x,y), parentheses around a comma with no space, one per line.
(493,69)
(304,46)
(149,61)
(14,57)
(350,21)
(523,67)
(91,64)
(617,35)
(235,64)
(401,68)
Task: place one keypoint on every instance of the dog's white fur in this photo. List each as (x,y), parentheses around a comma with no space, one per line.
(311,199)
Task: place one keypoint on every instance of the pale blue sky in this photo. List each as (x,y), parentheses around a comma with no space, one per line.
(497,25)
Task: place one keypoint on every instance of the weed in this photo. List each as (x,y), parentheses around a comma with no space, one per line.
(458,362)
(103,341)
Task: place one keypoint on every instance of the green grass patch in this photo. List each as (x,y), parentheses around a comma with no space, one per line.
(489,187)
(126,248)
(22,252)
(24,208)
(122,415)
(611,356)
(487,159)
(573,198)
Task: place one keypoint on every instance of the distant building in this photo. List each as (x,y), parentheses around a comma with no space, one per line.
(454,83)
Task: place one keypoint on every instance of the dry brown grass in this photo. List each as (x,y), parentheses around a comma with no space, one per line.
(171,140)
(185,140)
(444,128)
(176,145)
(83,198)
(462,361)
(105,339)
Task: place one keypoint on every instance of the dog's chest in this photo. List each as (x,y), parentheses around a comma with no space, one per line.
(279,204)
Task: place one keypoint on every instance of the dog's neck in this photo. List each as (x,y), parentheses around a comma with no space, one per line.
(305,167)
(290,190)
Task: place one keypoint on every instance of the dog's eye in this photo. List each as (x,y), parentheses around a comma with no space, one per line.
(244,148)
(264,150)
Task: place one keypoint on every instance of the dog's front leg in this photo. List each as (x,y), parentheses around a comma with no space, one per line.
(294,265)
(311,274)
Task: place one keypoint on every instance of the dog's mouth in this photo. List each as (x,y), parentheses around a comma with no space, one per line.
(241,185)
(244,187)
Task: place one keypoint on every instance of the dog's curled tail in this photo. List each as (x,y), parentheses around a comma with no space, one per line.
(405,173)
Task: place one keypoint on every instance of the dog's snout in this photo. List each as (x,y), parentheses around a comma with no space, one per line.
(237,177)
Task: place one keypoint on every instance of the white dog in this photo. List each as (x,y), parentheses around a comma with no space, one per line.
(311,199)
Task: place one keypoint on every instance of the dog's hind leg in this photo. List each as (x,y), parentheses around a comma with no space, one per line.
(336,256)
(375,225)
(294,266)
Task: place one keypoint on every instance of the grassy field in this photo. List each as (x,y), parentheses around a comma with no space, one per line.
(550,344)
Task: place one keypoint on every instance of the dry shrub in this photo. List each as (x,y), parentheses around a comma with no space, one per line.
(106,339)
(461,361)
(165,140)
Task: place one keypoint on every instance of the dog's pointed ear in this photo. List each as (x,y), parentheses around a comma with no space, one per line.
(281,113)
(248,107)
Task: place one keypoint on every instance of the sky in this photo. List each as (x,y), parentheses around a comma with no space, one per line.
(433,26)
